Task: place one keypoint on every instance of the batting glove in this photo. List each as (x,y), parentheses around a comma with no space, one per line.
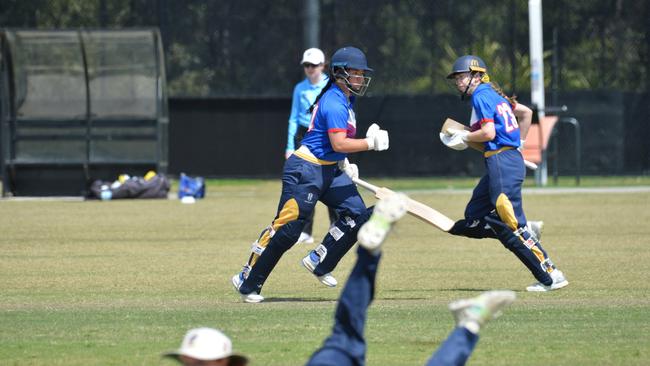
(454,139)
(377,138)
(352,170)
(521,145)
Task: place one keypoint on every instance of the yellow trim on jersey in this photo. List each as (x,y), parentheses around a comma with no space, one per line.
(506,212)
(288,213)
(487,154)
(304,153)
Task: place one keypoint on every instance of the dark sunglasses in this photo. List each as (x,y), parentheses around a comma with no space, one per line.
(308,65)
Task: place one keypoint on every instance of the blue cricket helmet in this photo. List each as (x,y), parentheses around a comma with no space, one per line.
(350,58)
(467,63)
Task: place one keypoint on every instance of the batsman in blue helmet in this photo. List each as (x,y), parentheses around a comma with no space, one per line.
(495,209)
(319,171)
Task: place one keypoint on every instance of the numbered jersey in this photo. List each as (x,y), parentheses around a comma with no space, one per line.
(490,107)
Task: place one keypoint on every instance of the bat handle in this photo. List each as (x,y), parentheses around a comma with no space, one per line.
(530,165)
(371,187)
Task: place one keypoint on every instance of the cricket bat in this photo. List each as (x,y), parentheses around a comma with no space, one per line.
(451,124)
(415,208)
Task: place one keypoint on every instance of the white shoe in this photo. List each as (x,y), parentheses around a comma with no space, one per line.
(536,228)
(305,239)
(475,312)
(327,279)
(253,297)
(237,280)
(387,210)
(559,281)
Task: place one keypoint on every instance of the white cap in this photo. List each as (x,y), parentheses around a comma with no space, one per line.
(205,344)
(313,56)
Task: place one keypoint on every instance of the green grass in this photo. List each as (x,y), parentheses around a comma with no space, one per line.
(119,282)
(464,182)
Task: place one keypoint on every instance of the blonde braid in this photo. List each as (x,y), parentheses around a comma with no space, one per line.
(512,100)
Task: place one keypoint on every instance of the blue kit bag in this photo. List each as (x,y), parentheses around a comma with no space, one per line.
(191,186)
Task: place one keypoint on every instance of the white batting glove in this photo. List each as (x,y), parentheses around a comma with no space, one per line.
(454,139)
(352,170)
(377,138)
(461,134)
(521,145)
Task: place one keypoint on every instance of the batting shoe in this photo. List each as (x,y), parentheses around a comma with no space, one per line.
(305,238)
(559,281)
(473,313)
(253,297)
(536,228)
(387,210)
(310,262)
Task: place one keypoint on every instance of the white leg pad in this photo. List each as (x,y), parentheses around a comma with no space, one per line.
(321,251)
(256,248)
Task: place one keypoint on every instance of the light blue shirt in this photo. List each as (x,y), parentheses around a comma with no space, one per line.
(304,95)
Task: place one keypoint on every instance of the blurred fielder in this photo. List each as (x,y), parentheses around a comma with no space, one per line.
(346,346)
(319,171)
(495,209)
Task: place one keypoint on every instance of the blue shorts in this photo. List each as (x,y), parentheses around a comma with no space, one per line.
(505,174)
(309,183)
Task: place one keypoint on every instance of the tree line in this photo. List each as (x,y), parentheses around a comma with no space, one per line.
(239,48)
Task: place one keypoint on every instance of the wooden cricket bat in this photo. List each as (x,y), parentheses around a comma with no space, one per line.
(450,123)
(415,208)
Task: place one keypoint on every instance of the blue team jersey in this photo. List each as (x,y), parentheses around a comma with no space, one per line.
(333,113)
(490,107)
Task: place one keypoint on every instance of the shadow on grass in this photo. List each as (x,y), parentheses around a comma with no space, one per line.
(297,299)
(465,289)
(428,290)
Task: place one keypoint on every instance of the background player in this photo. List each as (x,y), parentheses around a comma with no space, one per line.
(319,171)
(304,95)
(495,209)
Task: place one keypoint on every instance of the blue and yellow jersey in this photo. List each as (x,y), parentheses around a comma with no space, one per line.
(490,107)
(333,113)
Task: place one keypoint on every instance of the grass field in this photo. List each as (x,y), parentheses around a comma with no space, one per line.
(119,282)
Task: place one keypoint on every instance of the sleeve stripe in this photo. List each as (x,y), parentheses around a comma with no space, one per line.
(486,120)
(337,130)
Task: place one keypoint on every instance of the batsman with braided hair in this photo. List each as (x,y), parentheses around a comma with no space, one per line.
(319,171)
(495,209)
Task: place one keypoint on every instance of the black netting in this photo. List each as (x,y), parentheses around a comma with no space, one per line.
(48,75)
(122,74)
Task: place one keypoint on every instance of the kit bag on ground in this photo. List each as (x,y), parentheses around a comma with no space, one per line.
(152,185)
(191,186)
